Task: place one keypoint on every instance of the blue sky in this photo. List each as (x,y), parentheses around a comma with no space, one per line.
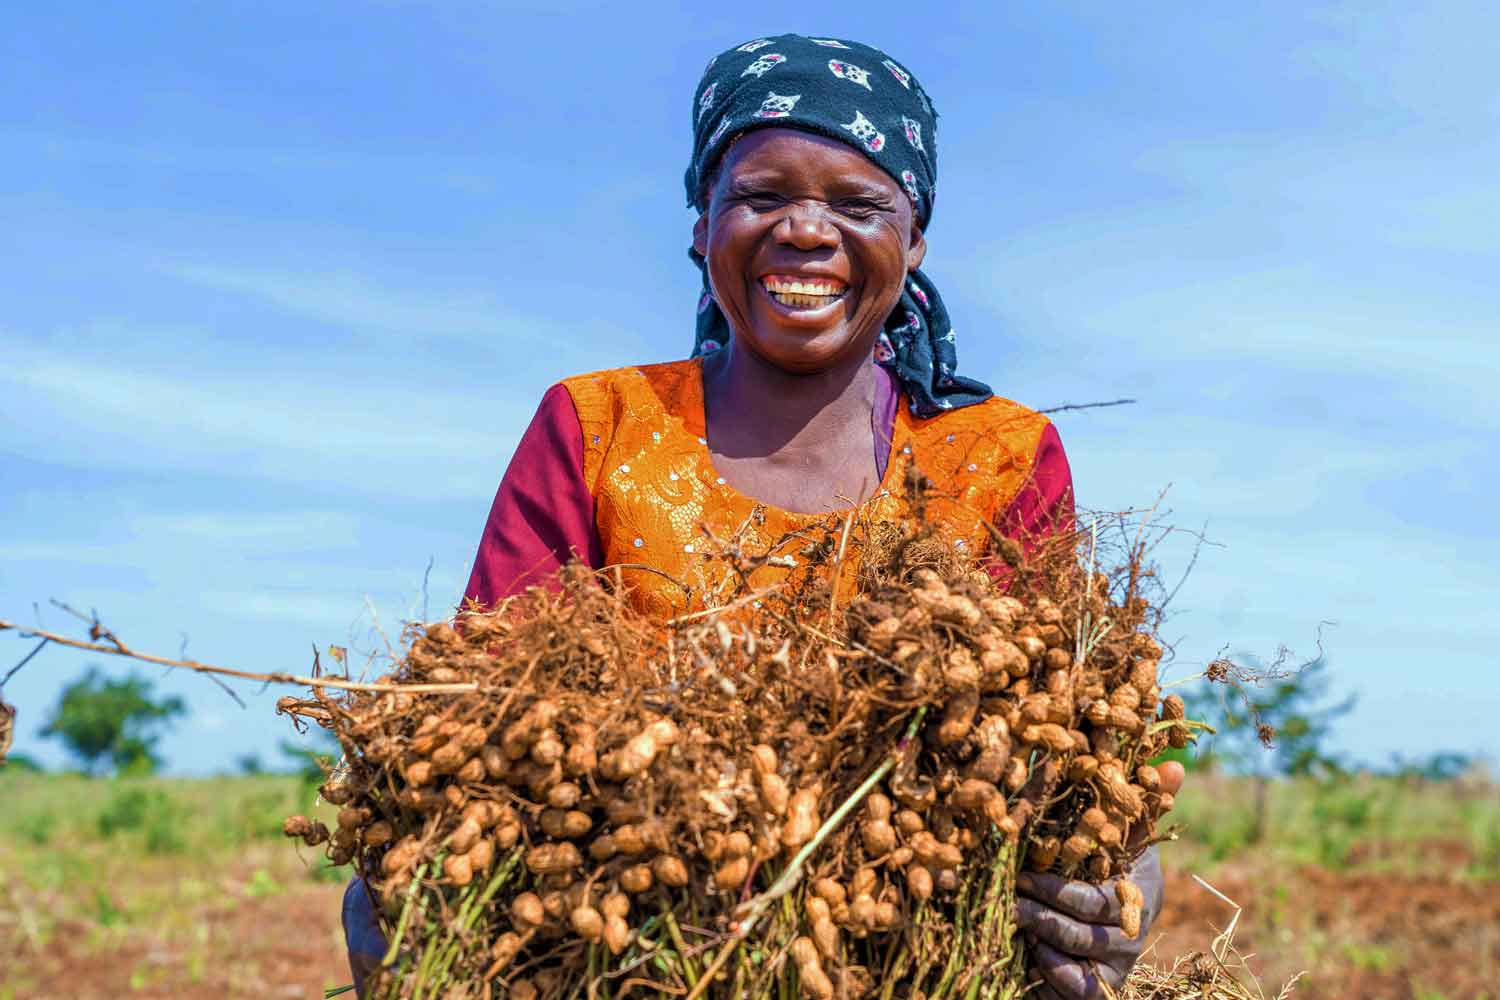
(284,282)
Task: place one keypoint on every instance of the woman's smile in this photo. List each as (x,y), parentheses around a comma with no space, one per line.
(814,299)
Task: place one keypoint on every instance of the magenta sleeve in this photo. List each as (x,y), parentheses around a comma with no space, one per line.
(1045,504)
(543,514)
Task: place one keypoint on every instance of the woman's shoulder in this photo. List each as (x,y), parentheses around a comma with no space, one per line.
(997,419)
(630,378)
(634,400)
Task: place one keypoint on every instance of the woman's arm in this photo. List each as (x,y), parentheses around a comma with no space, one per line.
(543,514)
(1044,505)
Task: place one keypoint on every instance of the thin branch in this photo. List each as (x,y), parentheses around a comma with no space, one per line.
(733,605)
(649,569)
(65,606)
(118,648)
(25,660)
(375,619)
(227,690)
(838,565)
(1197,549)
(1086,406)
(182,655)
(426,573)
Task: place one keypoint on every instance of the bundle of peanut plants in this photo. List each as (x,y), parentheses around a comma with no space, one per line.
(813,790)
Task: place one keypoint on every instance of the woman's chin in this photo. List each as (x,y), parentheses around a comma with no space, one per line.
(801,343)
(802,352)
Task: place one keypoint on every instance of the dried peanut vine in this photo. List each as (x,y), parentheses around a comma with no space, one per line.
(792,795)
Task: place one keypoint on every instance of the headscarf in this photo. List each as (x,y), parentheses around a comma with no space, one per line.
(862,97)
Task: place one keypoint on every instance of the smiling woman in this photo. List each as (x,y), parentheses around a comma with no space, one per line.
(823,376)
(822,351)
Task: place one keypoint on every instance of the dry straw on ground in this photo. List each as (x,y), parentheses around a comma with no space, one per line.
(1221,973)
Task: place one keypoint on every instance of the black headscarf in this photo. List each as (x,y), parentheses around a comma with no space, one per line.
(862,97)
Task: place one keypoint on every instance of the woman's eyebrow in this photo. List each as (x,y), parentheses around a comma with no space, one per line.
(753,182)
(845,187)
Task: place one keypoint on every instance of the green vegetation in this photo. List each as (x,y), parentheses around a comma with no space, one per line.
(97,866)
(112,722)
(1342,823)
(147,815)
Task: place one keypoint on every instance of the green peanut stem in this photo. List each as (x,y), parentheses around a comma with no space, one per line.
(756,908)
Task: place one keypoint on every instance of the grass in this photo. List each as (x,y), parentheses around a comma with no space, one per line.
(1359,823)
(151,880)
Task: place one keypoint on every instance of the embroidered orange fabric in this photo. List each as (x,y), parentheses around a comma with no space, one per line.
(647,462)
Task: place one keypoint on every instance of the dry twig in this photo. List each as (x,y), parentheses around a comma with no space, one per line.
(118,648)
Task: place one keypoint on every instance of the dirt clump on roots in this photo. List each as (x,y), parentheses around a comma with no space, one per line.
(799,793)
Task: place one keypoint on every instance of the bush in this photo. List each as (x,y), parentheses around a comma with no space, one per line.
(19,763)
(255,816)
(126,810)
(1342,813)
(38,827)
(148,809)
(164,830)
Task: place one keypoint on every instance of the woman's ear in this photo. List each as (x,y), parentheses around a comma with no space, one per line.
(917,251)
(700,235)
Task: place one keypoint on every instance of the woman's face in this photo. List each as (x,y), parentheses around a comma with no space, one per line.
(808,246)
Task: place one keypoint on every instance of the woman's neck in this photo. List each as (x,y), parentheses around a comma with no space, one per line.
(779,409)
(797,441)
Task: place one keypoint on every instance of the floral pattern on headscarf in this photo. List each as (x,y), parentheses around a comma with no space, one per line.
(863,98)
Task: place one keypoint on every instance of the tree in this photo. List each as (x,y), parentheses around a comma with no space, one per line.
(1289,716)
(112,722)
(1279,727)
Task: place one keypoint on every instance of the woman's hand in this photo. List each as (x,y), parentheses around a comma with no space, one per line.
(362,937)
(1074,927)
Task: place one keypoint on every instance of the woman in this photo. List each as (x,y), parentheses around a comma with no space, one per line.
(814,166)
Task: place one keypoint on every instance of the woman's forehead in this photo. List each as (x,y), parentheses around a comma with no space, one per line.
(781,152)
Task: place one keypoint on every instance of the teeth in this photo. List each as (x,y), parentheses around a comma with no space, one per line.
(794,299)
(779,285)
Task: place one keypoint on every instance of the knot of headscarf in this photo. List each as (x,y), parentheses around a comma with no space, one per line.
(862,97)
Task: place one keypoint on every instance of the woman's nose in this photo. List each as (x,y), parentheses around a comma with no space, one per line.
(807,228)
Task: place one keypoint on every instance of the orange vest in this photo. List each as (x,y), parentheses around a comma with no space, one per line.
(647,463)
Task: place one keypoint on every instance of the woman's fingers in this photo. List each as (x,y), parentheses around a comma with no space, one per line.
(1095,904)
(1069,936)
(1147,875)
(1171,773)
(1074,979)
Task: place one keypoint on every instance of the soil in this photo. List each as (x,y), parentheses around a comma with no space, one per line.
(1354,934)
(279,947)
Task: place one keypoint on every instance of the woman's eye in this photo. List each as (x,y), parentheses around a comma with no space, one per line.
(859,207)
(763,199)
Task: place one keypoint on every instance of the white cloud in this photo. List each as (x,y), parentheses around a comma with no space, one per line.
(349,299)
(268,531)
(414,439)
(328,610)
(375,308)
(197,538)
